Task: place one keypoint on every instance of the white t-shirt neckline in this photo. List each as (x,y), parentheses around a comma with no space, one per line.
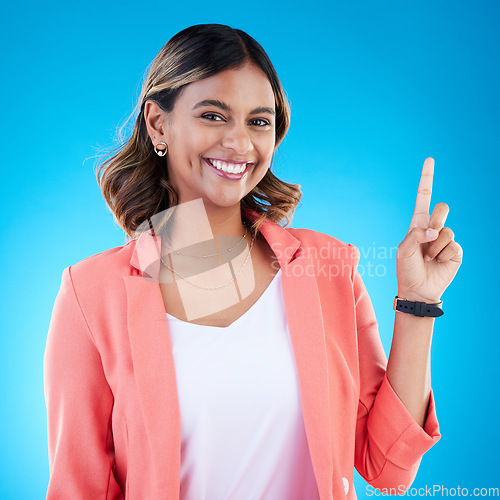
(243,317)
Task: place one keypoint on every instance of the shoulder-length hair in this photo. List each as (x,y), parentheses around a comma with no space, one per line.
(134,179)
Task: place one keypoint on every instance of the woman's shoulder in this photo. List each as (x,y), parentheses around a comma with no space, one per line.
(106,264)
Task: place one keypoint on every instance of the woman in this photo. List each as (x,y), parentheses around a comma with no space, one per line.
(218,354)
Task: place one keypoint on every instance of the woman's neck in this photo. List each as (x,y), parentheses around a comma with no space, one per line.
(204,228)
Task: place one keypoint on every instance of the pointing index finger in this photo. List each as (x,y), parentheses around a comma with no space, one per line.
(421,214)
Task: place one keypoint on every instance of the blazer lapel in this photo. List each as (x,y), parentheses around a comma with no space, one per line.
(305,324)
(154,364)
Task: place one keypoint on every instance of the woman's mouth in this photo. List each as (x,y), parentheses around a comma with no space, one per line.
(232,171)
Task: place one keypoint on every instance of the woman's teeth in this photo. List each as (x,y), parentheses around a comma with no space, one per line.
(230,168)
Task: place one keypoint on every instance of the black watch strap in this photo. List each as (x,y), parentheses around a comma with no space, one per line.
(418,308)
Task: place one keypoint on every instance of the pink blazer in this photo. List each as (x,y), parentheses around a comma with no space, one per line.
(110,388)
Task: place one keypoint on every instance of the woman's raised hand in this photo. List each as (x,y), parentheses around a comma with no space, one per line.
(429,257)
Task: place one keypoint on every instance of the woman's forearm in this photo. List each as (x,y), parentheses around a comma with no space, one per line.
(409,364)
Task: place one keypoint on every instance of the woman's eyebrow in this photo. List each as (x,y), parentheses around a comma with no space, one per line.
(226,107)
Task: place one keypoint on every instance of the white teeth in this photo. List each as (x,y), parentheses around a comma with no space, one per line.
(230,168)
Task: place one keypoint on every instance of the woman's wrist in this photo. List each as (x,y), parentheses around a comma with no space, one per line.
(413,297)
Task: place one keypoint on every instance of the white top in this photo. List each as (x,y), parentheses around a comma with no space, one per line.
(242,429)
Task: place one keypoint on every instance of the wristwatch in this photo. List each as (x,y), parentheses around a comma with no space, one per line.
(418,308)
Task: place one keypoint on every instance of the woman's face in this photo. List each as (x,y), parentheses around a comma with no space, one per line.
(227,119)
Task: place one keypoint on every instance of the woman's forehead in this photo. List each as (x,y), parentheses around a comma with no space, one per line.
(247,86)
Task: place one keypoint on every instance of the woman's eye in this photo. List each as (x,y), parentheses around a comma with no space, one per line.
(210,116)
(263,123)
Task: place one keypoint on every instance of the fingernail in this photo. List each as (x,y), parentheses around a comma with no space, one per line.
(431,233)
(427,258)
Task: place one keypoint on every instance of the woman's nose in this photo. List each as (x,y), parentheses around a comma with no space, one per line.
(238,139)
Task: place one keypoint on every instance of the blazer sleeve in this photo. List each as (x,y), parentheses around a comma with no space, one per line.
(79,405)
(389,443)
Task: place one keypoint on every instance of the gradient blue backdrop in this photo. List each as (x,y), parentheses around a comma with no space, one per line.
(374,87)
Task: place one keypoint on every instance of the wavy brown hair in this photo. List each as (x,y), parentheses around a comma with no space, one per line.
(134,179)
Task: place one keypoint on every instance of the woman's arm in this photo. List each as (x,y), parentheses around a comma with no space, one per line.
(389,442)
(409,365)
(427,261)
(79,406)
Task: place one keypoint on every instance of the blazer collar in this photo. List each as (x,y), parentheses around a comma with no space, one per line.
(154,368)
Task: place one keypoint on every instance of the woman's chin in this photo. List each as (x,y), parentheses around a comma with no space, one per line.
(223,200)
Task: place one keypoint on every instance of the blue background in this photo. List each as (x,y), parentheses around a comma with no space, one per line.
(374,87)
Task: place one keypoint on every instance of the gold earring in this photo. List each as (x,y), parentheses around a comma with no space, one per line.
(161,152)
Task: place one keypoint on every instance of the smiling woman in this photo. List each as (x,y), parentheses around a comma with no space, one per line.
(188,104)
(200,361)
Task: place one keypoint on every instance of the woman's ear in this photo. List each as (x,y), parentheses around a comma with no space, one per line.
(155,119)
